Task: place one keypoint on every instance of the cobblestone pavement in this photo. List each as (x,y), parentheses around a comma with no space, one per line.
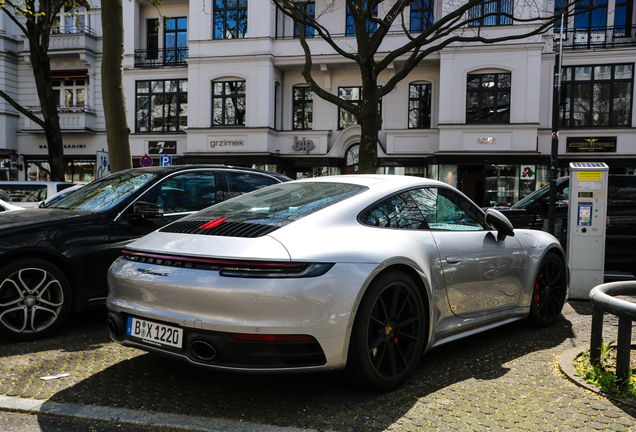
(504,379)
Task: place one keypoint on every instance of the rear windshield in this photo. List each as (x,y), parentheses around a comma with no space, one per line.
(281,204)
(26,193)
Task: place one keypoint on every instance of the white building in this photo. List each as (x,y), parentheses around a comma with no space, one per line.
(221,82)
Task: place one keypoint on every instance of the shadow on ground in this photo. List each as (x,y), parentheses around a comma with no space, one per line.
(320,401)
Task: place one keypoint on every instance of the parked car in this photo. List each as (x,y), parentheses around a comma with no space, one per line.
(61,194)
(55,259)
(29,194)
(620,236)
(362,273)
(5,206)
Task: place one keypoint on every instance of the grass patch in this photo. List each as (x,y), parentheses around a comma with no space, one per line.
(604,376)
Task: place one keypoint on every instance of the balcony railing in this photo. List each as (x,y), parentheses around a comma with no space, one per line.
(597,38)
(76,29)
(72,118)
(161,57)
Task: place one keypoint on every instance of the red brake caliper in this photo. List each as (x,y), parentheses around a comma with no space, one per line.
(536,294)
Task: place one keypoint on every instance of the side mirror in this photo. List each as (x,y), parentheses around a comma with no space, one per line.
(146,210)
(497,221)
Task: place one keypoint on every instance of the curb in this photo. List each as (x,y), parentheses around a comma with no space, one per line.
(566,367)
(137,418)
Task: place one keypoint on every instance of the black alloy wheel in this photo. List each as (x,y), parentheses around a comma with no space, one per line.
(549,291)
(388,334)
(34,299)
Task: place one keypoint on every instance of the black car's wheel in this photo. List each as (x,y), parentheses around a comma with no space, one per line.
(388,334)
(34,299)
(550,289)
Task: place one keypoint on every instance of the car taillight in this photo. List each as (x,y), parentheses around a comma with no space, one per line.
(233,268)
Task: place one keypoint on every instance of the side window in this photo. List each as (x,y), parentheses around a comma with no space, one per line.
(445,210)
(399,211)
(241,183)
(184,193)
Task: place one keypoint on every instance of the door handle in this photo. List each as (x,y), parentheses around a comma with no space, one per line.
(454,259)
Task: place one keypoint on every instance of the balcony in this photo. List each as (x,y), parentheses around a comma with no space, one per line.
(161,57)
(597,38)
(73,118)
(75,38)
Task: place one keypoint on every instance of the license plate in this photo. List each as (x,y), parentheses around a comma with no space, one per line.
(154,332)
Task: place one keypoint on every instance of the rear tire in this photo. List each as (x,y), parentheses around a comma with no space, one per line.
(388,333)
(35,299)
(549,291)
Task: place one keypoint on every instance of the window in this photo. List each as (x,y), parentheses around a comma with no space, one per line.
(228,103)
(310,9)
(596,95)
(488,98)
(489,13)
(176,39)
(240,183)
(371,26)
(421,15)
(353,95)
(72,22)
(152,38)
(184,193)
(70,95)
(558,10)
(303,108)
(591,14)
(399,211)
(161,106)
(230,19)
(446,210)
(623,18)
(419,106)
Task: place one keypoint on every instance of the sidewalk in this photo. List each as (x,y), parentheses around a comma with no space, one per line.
(505,379)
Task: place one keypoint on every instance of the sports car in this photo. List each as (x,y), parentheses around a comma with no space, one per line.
(361,273)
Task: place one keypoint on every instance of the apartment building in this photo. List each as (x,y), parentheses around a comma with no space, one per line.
(220,82)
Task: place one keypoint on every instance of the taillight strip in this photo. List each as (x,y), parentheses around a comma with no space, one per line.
(214,261)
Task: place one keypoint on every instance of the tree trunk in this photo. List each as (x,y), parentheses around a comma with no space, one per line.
(117,130)
(370,122)
(52,130)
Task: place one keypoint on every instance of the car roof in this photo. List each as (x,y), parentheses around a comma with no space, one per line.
(176,168)
(31,182)
(376,179)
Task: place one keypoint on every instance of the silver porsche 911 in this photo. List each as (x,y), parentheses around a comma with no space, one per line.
(362,273)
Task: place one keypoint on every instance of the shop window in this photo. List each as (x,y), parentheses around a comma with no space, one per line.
(371,25)
(309,8)
(161,106)
(230,19)
(79,170)
(176,40)
(70,95)
(501,185)
(352,158)
(421,15)
(488,98)
(303,108)
(491,13)
(353,95)
(72,21)
(596,96)
(228,103)
(419,106)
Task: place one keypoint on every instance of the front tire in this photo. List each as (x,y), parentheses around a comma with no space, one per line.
(549,291)
(35,299)
(389,333)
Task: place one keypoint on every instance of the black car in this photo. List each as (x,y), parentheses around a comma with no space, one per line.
(53,260)
(620,235)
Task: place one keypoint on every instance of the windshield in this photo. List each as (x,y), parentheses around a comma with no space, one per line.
(536,195)
(280,204)
(105,193)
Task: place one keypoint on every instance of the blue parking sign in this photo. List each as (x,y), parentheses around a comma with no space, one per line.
(165,160)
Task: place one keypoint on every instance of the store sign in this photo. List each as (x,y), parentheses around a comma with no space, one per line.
(227,143)
(162,147)
(527,172)
(303,145)
(591,145)
(488,140)
(67,146)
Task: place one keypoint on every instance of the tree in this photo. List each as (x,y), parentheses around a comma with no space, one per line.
(459,24)
(38,21)
(117,129)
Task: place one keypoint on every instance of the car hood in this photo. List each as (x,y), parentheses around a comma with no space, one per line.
(41,217)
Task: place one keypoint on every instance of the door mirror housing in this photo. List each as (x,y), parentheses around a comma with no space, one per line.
(497,221)
(146,210)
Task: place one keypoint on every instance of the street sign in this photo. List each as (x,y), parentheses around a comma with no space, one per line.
(102,164)
(145,160)
(165,160)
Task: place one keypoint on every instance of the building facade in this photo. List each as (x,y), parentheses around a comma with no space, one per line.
(220,82)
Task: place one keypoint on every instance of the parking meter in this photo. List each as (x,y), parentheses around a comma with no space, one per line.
(587,215)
